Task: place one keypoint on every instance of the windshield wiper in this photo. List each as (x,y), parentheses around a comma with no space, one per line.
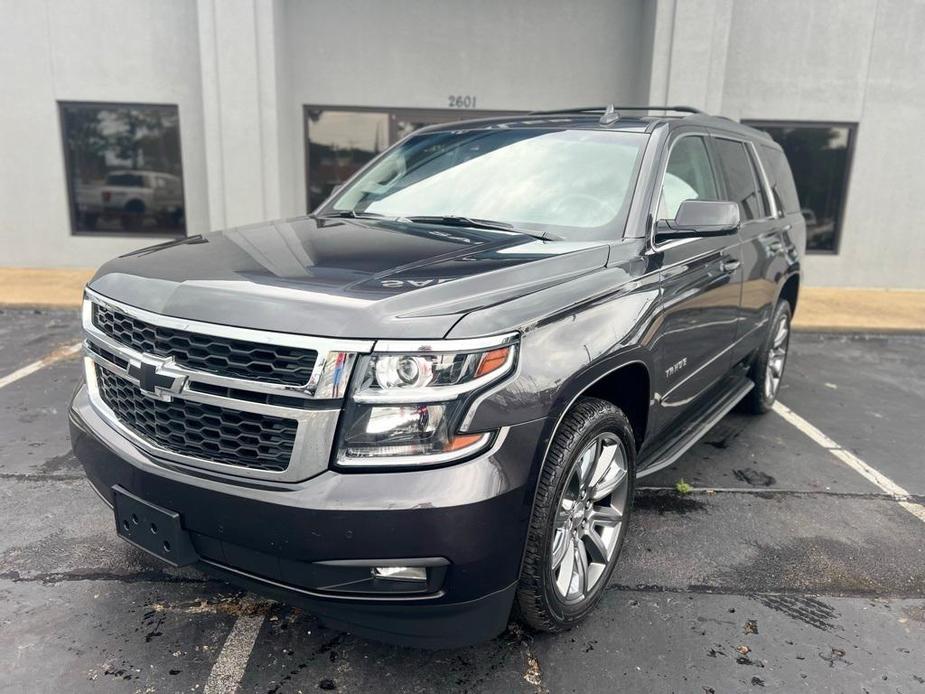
(351,214)
(471,222)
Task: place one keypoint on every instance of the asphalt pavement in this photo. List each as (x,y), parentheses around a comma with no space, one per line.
(785,569)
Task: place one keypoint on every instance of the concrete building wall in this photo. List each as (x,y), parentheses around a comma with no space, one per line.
(241,71)
(145,51)
(805,61)
(512,55)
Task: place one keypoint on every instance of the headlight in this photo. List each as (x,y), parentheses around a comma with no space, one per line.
(408,400)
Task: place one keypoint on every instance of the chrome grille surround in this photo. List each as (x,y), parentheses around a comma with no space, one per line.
(314,406)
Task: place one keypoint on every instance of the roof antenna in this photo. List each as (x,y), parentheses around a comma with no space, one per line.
(610,116)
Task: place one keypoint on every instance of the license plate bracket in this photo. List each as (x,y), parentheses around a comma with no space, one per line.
(152,528)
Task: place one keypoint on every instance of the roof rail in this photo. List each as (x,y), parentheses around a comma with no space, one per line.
(612,107)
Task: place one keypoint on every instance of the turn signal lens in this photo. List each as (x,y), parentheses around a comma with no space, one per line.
(461,441)
(492,361)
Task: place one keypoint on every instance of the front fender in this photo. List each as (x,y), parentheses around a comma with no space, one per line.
(566,353)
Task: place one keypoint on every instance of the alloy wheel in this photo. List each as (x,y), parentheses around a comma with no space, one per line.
(589,518)
(777,356)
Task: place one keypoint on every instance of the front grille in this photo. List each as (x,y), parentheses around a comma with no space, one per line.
(217,434)
(219,355)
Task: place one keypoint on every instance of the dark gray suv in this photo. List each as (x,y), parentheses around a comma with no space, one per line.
(428,402)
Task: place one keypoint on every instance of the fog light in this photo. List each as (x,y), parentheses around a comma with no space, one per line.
(401,573)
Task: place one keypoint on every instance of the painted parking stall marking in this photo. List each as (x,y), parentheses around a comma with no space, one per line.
(61,353)
(232,660)
(851,460)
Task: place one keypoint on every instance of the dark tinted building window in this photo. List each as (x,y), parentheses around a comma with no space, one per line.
(820,158)
(124,171)
(739,174)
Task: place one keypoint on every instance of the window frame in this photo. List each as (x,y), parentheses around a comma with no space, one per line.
(852,128)
(439,116)
(71,192)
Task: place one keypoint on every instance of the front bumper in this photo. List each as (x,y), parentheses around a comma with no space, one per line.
(277,539)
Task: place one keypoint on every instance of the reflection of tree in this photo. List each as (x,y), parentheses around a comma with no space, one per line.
(86,143)
(133,127)
(104,138)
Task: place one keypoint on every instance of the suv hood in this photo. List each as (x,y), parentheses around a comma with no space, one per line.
(342,277)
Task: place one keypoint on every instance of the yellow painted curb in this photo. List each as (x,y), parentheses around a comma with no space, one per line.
(43,287)
(860,310)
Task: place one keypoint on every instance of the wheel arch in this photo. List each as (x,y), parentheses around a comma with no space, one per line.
(790,290)
(626,384)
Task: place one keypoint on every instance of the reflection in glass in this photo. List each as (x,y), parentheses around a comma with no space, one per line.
(339,144)
(124,168)
(562,181)
(341,141)
(688,176)
(818,156)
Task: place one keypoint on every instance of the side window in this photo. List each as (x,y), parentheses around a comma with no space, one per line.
(741,184)
(688,176)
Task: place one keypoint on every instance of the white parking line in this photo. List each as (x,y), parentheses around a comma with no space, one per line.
(851,460)
(229,669)
(47,360)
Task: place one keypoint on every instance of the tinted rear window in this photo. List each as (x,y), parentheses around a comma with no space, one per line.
(780,178)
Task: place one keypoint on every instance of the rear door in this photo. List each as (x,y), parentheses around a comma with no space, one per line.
(760,236)
(700,284)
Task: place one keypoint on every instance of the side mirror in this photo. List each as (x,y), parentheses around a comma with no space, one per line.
(698,218)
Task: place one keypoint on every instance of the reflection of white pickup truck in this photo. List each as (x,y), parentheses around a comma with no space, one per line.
(133,195)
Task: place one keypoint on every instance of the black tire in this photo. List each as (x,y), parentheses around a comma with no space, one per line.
(538,602)
(762,397)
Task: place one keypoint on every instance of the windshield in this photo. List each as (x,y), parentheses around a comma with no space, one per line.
(574,184)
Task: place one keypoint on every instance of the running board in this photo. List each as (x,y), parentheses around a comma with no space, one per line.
(695,430)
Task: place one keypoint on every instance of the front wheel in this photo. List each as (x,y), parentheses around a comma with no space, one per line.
(580,515)
(768,368)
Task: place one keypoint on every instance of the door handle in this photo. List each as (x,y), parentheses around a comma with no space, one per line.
(730,265)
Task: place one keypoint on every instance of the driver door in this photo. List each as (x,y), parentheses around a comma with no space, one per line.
(700,286)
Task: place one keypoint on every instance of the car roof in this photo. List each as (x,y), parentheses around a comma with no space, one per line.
(627,121)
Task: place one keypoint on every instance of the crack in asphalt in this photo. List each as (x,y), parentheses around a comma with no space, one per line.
(763,493)
(701,589)
(92,575)
(40,478)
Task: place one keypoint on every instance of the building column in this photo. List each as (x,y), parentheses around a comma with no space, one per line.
(237,49)
(689,48)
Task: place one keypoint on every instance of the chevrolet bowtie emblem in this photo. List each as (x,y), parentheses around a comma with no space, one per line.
(156,379)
